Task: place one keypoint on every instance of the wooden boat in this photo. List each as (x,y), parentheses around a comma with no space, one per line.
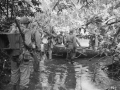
(83,51)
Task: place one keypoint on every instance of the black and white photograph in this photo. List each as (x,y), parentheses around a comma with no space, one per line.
(59,44)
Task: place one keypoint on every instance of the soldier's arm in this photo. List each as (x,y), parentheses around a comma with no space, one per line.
(38,40)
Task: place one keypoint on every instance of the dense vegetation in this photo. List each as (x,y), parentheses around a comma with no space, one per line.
(98,17)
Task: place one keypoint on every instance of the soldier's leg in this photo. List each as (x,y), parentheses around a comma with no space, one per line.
(67,56)
(15,72)
(68,53)
(73,54)
(50,53)
(37,62)
(43,52)
(25,72)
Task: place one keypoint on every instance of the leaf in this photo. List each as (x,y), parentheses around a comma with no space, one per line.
(117,5)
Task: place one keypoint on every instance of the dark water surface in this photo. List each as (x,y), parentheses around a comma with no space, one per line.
(58,74)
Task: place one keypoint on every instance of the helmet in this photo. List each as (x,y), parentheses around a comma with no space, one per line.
(25,20)
(71,30)
(61,32)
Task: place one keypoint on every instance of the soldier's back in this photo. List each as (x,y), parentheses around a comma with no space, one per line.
(70,37)
(16,44)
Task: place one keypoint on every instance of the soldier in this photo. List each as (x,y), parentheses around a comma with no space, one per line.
(44,45)
(20,58)
(16,55)
(51,37)
(92,42)
(33,40)
(60,38)
(71,45)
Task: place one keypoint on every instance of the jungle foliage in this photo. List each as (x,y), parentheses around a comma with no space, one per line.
(98,17)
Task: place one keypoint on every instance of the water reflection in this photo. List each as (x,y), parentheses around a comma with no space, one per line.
(43,76)
(60,78)
(51,77)
(64,77)
(84,79)
(78,77)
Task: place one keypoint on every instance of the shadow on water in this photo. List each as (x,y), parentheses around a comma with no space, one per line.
(57,74)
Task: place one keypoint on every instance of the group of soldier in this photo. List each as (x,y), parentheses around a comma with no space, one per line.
(30,50)
(33,45)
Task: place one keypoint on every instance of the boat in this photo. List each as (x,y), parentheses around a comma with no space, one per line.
(83,51)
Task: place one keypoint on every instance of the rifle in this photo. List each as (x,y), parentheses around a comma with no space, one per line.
(21,33)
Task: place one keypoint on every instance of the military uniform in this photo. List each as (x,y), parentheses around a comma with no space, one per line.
(20,69)
(71,45)
(20,58)
(51,43)
(33,39)
(60,38)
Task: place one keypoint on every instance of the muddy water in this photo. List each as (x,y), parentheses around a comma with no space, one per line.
(58,74)
(54,75)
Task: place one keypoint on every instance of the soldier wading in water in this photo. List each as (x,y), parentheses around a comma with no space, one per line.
(71,46)
(20,58)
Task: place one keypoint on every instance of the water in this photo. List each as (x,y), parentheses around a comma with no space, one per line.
(58,74)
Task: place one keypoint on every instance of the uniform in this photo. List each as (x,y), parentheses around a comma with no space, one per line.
(20,58)
(60,38)
(20,70)
(71,45)
(51,42)
(33,38)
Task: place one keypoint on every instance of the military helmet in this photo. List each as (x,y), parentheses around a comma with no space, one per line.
(24,20)
(61,32)
(71,30)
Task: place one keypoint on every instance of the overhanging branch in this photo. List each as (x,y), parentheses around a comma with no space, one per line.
(117,21)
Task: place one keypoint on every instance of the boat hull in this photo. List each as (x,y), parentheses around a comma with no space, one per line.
(80,52)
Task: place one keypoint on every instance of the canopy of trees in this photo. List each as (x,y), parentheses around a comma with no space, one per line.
(99,17)
(64,13)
